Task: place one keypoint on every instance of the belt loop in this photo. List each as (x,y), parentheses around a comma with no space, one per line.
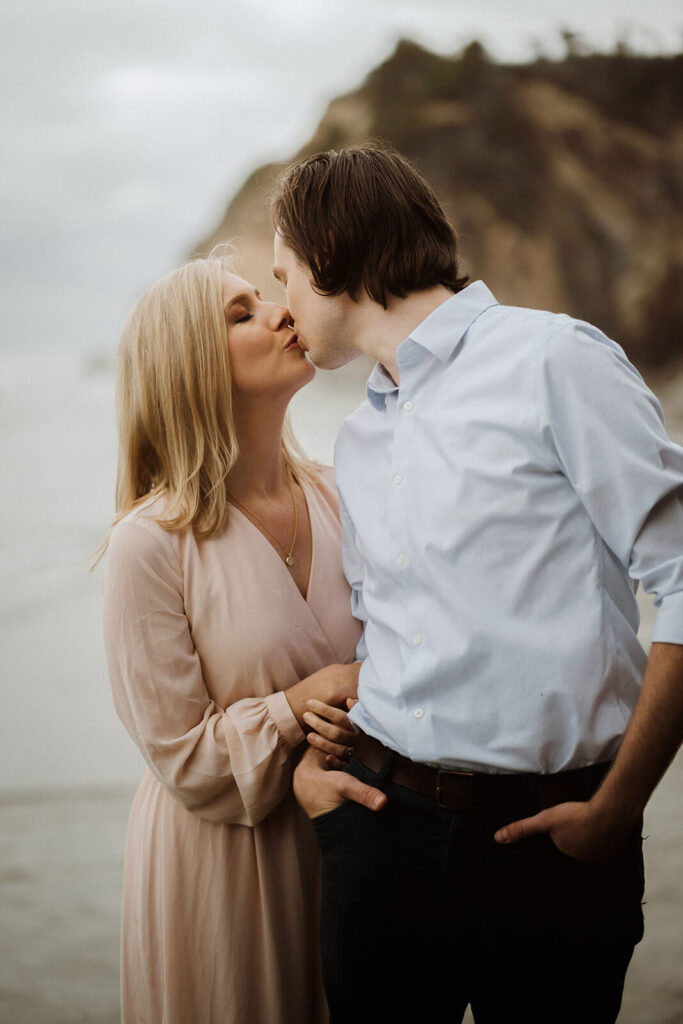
(385,770)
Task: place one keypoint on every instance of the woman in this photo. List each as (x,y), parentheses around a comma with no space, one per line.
(224,602)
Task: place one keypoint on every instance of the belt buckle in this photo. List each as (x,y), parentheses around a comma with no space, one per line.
(465,790)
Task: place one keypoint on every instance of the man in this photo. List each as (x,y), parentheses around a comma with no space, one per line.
(504,483)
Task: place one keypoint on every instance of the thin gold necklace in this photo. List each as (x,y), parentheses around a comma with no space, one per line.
(289,558)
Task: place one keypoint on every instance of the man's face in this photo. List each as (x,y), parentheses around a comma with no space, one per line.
(322,322)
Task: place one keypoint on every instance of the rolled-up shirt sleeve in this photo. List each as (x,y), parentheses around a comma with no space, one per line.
(606,430)
(661,576)
(229,765)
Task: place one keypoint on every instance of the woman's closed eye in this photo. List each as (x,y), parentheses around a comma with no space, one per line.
(242,308)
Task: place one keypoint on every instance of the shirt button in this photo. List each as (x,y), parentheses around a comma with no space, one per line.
(398,479)
(417,639)
(400,559)
(418,712)
(408,405)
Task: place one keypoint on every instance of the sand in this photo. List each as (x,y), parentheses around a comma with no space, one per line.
(59,907)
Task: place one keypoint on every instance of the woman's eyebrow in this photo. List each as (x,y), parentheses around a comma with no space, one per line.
(242,297)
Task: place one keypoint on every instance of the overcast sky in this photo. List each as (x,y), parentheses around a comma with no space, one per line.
(126,125)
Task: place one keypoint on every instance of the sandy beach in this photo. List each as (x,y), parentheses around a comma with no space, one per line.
(59,905)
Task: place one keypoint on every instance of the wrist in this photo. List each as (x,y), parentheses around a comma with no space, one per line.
(297,696)
(614,811)
(314,686)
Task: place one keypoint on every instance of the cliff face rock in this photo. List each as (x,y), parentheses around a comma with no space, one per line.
(563,179)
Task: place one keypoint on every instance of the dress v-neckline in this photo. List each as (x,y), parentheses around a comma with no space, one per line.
(304,597)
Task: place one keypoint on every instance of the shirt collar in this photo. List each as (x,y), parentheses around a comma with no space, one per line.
(440,334)
(443,330)
(380,384)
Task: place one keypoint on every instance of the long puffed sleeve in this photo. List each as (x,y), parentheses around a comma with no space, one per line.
(228,765)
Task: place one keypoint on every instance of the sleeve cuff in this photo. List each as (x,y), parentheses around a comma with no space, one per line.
(285,719)
(669,622)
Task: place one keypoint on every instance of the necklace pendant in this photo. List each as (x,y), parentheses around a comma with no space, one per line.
(289,560)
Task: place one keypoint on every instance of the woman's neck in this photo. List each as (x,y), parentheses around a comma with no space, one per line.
(260,470)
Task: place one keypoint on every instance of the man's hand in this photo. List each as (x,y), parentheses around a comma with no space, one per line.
(319,790)
(577,829)
(596,830)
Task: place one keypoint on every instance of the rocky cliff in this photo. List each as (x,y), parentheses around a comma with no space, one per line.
(564,179)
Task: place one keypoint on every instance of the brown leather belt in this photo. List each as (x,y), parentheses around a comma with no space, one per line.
(465,791)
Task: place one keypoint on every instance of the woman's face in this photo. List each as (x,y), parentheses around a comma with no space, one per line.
(265,359)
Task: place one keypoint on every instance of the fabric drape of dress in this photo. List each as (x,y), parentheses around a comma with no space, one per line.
(220,893)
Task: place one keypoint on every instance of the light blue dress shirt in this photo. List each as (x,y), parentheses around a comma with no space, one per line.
(499,507)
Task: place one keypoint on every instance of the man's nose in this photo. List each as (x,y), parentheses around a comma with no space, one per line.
(280,317)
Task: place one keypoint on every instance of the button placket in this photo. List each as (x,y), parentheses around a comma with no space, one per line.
(401,557)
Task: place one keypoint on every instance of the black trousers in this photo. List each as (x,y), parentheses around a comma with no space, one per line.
(422,910)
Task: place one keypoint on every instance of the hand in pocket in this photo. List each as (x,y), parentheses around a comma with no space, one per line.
(319,789)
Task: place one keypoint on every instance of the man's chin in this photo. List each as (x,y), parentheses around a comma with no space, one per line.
(331,360)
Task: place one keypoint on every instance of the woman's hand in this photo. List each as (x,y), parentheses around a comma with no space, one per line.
(331,732)
(333,685)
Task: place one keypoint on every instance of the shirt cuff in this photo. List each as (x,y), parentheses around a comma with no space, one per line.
(669,622)
(285,719)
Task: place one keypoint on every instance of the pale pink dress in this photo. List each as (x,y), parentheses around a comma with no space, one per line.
(220,892)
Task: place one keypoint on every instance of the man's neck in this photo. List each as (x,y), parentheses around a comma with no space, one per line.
(381,331)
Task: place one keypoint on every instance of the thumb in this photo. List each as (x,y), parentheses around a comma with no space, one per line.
(370,797)
(524,828)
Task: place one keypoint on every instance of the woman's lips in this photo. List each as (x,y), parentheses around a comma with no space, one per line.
(294,343)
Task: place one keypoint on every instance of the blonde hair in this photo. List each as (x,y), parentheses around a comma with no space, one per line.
(177,434)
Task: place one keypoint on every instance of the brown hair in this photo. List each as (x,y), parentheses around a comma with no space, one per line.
(365,218)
